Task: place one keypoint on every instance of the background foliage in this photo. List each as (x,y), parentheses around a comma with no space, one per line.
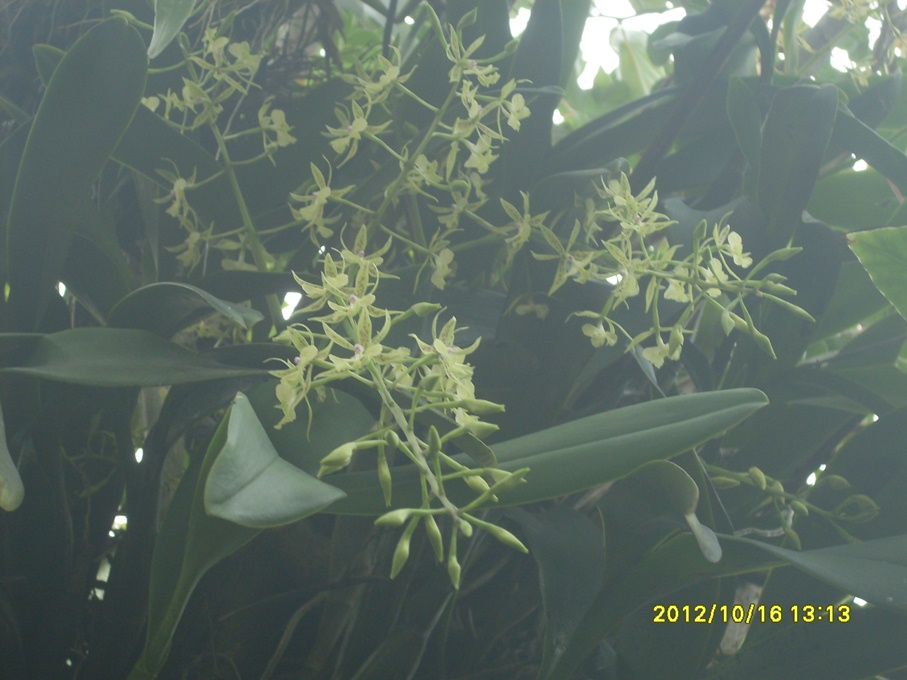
(705,383)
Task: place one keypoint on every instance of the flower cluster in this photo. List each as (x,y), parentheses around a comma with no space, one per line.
(343,341)
(219,73)
(635,258)
(446,162)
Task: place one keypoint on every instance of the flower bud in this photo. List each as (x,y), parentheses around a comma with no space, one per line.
(476,483)
(793,538)
(857,508)
(434,536)
(453,569)
(337,459)
(504,536)
(725,482)
(834,482)
(394,518)
(401,553)
(757,477)
(384,476)
(482,407)
(510,482)
(425,308)
(799,508)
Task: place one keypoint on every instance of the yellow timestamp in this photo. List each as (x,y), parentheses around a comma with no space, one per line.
(750,613)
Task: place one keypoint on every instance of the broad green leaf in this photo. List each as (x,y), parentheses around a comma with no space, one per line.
(538,59)
(580,454)
(873,570)
(251,485)
(79,122)
(47,57)
(618,134)
(854,200)
(190,542)
(11,490)
(783,437)
(855,299)
(676,488)
(337,420)
(165,308)
(634,67)
(95,270)
(863,647)
(796,134)
(573,18)
(698,163)
(883,253)
(864,142)
(151,144)
(569,549)
(746,118)
(672,565)
(878,345)
(169,17)
(115,357)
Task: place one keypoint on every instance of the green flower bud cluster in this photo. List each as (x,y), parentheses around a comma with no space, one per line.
(786,506)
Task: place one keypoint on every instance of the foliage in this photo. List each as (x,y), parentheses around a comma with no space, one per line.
(658,361)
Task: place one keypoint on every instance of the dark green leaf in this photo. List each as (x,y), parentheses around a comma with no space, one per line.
(864,142)
(190,542)
(249,484)
(569,549)
(115,357)
(169,17)
(11,490)
(78,124)
(673,564)
(873,570)
(165,308)
(796,134)
(745,114)
(580,454)
(861,648)
(883,253)
(855,299)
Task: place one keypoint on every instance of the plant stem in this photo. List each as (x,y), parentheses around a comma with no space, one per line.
(259,254)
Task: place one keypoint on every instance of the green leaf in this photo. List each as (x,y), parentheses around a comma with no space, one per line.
(873,570)
(855,299)
(115,357)
(854,200)
(165,308)
(11,489)
(634,68)
(670,566)
(251,485)
(746,118)
(676,488)
(864,142)
(861,648)
(89,103)
(580,454)
(538,59)
(169,17)
(796,135)
(190,542)
(569,549)
(883,253)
